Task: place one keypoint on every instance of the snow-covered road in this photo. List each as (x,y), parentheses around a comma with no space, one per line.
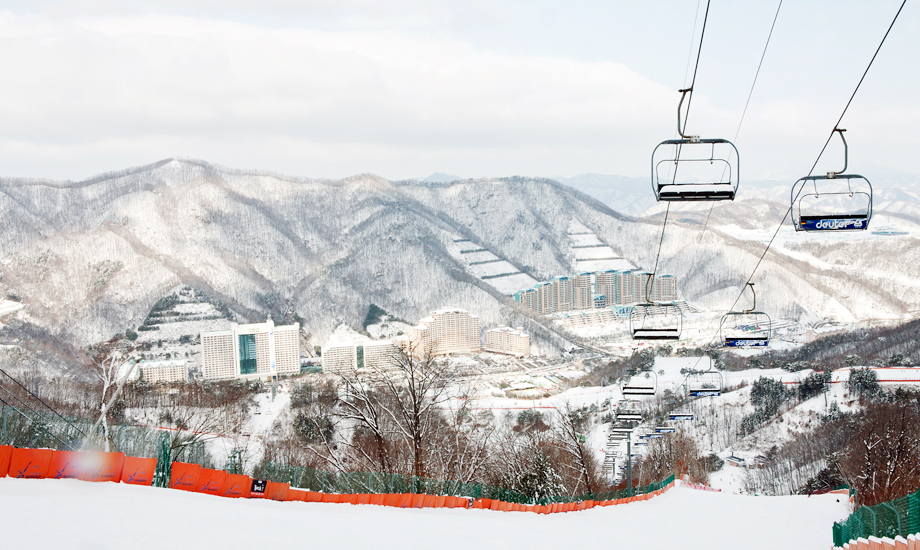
(77,514)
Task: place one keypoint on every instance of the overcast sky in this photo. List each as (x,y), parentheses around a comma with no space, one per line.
(332,88)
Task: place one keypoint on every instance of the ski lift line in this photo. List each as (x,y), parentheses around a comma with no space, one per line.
(40,400)
(815,165)
(696,18)
(17,398)
(696,67)
(38,425)
(649,282)
(746,104)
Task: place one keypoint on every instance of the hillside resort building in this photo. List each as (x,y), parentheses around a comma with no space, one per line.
(447,330)
(597,291)
(259,350)
(344,354)
(156,372)
(508,341)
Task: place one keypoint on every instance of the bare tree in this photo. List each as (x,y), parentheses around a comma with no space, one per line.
(105,361)
(569,428)
(398,402)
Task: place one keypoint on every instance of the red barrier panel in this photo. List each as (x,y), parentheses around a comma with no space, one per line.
(184,476)
(405,500)
(30,463)
(363,498)
(138,471)
(5,452)
(64,465)
(277,491)
(212,482)
(313,496)
(237,486)
(379,500)
(440,502)
(482,503)
(496,505)
(348,499)
(102,466)
(418,501)
(297,495)
(329,497)
(429,501)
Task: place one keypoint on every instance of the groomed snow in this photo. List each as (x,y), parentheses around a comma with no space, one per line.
(76,514)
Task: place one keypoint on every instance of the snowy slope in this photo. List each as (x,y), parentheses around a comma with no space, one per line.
(117,516)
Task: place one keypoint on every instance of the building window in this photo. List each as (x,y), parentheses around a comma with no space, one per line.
(247,353)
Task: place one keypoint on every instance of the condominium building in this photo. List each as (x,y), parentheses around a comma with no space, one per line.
(349,353)
(155,372)
(259,350)
(507,340)
(447,330)
(597,290)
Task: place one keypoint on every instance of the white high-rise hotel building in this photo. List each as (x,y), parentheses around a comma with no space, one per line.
(447,330)
(259,350)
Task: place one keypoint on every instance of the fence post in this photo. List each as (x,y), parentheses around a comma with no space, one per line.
(913,513)
(897,515)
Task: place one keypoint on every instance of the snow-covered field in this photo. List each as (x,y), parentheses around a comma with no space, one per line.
(77,514)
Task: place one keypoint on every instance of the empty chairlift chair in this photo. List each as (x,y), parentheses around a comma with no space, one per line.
(834,202)
(644,382)
(628,411)
(655,320)
(680,416)
(746,328)
(694,169)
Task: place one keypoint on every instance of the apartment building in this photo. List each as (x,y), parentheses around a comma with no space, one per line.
(258,350)
(447,330)
(507,340)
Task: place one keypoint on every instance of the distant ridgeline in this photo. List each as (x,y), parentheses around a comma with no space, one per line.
(597,291)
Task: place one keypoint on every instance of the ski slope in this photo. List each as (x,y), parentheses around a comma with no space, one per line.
(68,513)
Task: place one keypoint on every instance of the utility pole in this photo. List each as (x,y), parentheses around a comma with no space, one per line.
(629,465)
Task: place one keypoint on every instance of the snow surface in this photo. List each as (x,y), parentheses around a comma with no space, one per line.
(108,515)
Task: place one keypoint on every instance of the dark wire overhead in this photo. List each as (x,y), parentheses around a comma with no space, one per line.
(40,400)
(833,131)
(746,104)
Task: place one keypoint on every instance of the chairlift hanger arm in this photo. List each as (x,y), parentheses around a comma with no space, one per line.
(754,305)
(832,175)
(682,129)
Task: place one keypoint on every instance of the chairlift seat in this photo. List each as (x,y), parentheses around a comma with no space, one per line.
(694,169)
(655,321)
(835,202)
(680,416)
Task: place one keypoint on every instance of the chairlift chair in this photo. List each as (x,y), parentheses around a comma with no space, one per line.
(748,328)
(705,384)
(666,429)
(628,411)
(694,169)
(655,320)
(680,416)
(833,202)
(644,382)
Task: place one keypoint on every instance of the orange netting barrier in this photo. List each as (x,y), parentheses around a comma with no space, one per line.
(100,466)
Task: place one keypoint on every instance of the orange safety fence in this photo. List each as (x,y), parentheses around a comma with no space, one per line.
(87,466)
(238,486)
(138,471)
(185,476)
(5,452)
(30,463)
(277,491)
(212,482)
(100,466)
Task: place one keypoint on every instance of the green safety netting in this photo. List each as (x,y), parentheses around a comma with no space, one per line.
(900,516)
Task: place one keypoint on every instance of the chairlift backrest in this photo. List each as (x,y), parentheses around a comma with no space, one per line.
(833,202)
(655,321)
(694,169)
(746,328)
(704,384)
(642,383)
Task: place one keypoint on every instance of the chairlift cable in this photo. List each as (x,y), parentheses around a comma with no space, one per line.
(696,18)
(696,67)
(746,104)
(815,165)
(37,424)
(40,400)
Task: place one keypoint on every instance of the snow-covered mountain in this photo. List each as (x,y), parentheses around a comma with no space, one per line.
(90,258)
